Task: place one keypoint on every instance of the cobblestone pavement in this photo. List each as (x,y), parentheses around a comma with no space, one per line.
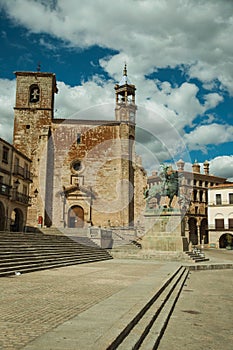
(32,304)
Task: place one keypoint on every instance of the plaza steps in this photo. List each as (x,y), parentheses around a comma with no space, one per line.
(121,240)
(27,252)
(197,255)
(147,327)
(77,235)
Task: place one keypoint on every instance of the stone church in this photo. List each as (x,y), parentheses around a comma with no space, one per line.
(85,172)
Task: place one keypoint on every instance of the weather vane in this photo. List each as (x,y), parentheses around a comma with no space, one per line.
(38,67)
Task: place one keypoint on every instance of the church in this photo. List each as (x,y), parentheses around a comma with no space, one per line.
(85,172)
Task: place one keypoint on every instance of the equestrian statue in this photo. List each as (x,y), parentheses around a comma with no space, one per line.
(167,186)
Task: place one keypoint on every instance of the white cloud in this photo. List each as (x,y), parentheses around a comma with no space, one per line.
(213,134)
(222,166)
(212,100)
(7,100)
(150,33)
(72,102)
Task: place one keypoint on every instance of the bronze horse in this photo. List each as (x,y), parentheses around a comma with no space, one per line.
(169,186)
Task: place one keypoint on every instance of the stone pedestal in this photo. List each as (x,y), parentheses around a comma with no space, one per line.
(164,231)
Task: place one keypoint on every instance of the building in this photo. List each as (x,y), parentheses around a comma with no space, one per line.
(85,172)
(15,180)
(195,185)
(220,215)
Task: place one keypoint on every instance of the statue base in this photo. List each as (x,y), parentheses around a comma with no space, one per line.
(164,231)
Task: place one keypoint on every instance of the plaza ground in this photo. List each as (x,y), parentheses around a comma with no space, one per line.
(80,306)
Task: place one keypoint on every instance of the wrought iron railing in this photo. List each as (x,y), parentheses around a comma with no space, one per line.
(20,197)
(4,189)
(19,170)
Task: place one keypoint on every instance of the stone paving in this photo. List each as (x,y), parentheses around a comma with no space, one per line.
(34,303)
(36,306)
(203,315)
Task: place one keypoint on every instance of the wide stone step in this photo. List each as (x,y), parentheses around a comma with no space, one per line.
(43,260)
(24,252)
(197,256)
(46,265)
(39,255)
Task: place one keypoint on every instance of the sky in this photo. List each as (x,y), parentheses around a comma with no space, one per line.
(179,55)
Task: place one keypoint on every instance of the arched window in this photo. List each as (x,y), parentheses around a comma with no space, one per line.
(219,222)
(34,93)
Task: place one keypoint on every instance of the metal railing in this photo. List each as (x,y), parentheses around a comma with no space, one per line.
(19,170)
(20,197)
(4,189)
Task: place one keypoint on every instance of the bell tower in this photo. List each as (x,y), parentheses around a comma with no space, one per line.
(33,116)
(33,108)
(125,109)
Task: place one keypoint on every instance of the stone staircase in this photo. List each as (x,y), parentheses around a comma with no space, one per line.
(77,235)
(123,240)
(27,252)
(197,255)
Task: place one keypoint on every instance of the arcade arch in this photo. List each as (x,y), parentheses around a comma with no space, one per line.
(193,236)
(17,220)
(223,240)
(2,217)
(204,231)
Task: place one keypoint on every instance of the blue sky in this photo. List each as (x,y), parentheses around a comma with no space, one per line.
(179,55)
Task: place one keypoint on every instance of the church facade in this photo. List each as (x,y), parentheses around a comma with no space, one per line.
(85,172)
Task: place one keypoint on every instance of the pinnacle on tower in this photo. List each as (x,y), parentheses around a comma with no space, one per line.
(125,70)
(125,99)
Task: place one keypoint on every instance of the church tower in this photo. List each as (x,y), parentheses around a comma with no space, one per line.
(125,109)
(125,113)
(34,108)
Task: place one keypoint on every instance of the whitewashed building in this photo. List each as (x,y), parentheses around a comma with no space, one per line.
(220,215)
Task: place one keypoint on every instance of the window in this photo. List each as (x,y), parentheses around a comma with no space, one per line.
(201,196)
(5,154)
(218,199)
(230,224)
(200,183)
(16,165)
(195,195)
(34,93)
(25,190)
(230,198)
(76,165)
(78,139)
(219,224)
(26,171)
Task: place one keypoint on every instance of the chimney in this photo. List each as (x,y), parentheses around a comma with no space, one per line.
(196,167)
(180,165)
(206,166)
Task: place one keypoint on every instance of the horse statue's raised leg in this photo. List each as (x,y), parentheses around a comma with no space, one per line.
(170,201)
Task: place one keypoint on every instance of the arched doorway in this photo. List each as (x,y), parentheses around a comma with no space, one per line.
(193,238)
(2,217)
(76,217)
(17,220)
(224,240)
(204,231)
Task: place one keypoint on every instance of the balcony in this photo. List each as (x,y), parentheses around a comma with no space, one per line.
(20,197)
(4,189)
(24,173)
